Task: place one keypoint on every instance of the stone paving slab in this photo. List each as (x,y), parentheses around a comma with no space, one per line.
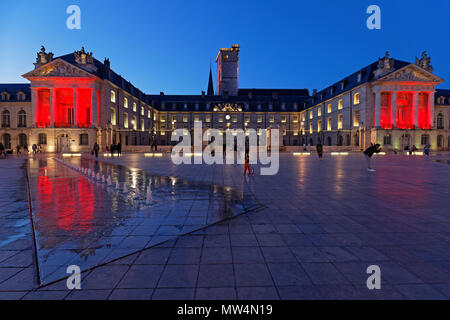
(324,223)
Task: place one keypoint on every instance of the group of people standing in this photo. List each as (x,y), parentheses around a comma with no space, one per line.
(115,148)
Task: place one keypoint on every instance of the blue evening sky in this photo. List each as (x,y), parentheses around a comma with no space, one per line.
(168,45)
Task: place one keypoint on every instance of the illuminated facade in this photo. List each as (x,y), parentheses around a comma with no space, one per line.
(73,101)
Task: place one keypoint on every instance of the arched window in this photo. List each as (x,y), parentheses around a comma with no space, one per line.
(6,119)
(347,140)
(7,141)
(340,140)
(23,140)
(329,141)
(440,121)
(22,119)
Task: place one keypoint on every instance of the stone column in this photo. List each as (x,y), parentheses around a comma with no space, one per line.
(94,108)
(415,108)
(431,108)
(52,106)
(75,122)
(394,108)
(377,109)
(34,101)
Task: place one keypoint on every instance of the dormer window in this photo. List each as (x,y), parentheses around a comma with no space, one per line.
(283,107)
(5,96)
(20,96)
(259,107)
(332,90)
(342,85)
(441,100)
(359,77)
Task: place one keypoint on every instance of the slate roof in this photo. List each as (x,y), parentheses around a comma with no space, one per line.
(106,73)
(442,93)
(14,88)
(351,82)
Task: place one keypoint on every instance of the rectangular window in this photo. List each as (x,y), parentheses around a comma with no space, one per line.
(340,119)
(283,119)
(356,118)
(84,139)
(125,120)
(311,115)
(196,118)
(340,104)
(208,118)
(319,111)
(113,116)
(356,98)
(185,118)
(329,108)
(295,119)
(134,123)
(125,103)
(234,119)
(42,138)
(311,129)
(149,114)
(113,96)
(259,119)
(329,125)
(247,119)
(319,125)
(142,111)
(134,107)
(142,124)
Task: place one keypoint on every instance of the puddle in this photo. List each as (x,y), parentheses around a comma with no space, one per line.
(84,222)
(442,161)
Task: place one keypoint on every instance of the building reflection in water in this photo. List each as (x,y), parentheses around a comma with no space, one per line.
(80,221)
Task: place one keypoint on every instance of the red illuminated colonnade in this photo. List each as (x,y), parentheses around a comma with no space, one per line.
(66,107)
(403,110)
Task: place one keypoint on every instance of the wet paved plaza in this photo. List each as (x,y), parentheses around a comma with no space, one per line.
(309,232)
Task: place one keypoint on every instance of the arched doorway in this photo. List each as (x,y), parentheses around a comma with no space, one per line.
(62,143)
(7,141)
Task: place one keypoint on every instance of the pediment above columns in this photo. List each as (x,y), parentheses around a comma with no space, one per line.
(58,69)
(411,73)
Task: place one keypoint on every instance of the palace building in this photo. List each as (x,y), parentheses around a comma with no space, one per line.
(74,100)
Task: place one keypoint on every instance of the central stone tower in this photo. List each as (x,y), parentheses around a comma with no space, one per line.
(228,71)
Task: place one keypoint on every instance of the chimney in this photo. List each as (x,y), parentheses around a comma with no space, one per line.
(161,93)
(107,63)
(203,94)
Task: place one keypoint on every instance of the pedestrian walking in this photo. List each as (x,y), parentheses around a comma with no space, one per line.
(247,165)
(319,149)
(96,149)
(369,152)
(426,150)
(119,149)
(2,151)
